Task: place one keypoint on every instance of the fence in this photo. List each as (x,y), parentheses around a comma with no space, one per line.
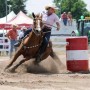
(4,45)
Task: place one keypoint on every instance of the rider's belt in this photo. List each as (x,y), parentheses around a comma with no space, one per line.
(46,29)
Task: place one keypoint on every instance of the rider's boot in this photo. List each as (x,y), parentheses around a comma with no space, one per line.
(17,43)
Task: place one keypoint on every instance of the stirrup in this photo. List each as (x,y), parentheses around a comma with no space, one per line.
(17,44)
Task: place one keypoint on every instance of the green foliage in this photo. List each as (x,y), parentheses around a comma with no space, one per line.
(76,7)
(87,14)
(17,5)
(2,8)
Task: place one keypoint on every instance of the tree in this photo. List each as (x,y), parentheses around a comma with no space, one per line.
(76,7)
(2,8)
(17,5)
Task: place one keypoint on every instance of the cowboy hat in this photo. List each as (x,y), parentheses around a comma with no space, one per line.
(51,6)
(14,25)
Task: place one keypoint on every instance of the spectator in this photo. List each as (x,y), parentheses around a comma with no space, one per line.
(12,35)
(27,32)
(64,18)
(23,34)
(69,18)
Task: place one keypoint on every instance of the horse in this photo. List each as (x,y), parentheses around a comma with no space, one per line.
(30,45)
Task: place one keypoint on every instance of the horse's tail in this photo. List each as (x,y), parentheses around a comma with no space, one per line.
(57,59)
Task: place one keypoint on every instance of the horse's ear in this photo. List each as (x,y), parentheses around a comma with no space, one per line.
(33,15)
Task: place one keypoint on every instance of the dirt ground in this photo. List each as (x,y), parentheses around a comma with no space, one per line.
(49,75)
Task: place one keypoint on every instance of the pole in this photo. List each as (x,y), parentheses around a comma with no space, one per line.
(9,8)
(6,10)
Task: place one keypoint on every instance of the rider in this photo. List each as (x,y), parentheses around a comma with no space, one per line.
(50,19)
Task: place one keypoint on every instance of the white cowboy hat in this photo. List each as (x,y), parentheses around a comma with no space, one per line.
(51,6)
(23,28)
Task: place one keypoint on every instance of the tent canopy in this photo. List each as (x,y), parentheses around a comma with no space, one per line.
(21,19)
(9,17)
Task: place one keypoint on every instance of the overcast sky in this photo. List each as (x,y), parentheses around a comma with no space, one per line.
(38,5)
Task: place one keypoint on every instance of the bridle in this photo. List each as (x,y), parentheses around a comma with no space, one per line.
(37,26)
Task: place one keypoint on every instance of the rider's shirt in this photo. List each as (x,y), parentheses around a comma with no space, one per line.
(50,20)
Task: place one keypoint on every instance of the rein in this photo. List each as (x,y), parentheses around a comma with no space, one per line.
(51,25)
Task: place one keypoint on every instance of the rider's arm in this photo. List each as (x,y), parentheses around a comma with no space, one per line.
(58,25)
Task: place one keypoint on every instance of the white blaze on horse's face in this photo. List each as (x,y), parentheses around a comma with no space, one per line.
(38,27)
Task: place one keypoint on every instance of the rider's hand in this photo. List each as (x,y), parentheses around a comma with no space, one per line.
(58,28)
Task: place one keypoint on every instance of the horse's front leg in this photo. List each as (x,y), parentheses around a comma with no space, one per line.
(21,62)
(17,54)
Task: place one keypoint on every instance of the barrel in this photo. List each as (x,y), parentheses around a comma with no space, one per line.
(77,54)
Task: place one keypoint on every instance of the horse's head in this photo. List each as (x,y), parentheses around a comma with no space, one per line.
(37,23)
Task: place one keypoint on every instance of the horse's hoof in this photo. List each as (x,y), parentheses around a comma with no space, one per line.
(35,62)
(7,66)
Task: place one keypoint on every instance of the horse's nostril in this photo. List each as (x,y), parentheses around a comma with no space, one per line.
(37,31)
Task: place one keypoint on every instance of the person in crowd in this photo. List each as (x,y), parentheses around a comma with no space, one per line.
(27,31)
(20,36)
(21,33)
(64,18)
(12,35)
(24,32)
(69,16)
(50,19)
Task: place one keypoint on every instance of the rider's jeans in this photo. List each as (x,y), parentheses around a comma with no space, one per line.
(45,42)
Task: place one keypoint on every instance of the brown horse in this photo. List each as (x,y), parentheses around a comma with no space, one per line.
(31,44)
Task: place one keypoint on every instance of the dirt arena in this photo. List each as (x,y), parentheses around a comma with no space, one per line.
(49,75)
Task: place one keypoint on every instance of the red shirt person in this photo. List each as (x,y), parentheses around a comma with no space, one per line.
(12,35)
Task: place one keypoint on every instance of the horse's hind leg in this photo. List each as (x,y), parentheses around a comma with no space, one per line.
(17,54)
(21,62)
